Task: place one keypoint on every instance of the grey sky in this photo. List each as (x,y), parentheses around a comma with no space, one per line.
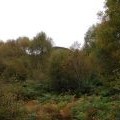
(65,21)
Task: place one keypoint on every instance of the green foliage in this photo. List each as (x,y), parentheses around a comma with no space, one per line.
(102,44)
(71,71)
(23,43)
(15,70)
(56,77)
(23,59)
(2,67)
(58,80)
(89,40)
(40,45)
(39,51)
(99,108)
(10,106)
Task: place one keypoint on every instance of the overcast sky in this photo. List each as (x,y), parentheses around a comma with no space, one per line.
(65,21)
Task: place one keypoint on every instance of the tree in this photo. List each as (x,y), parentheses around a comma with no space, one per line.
(10,50)
(23,43)
(40,45)
(105,39)
(70,71)
(39,51)
(89,39)
(58,81)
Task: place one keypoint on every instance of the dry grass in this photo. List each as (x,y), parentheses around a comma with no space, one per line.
(49,111)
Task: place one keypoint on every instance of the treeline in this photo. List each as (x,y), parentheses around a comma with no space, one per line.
(63,70)
(24,59)
(85,70)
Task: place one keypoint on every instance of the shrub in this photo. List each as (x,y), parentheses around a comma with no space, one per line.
(10,107)
(96,108)
(15,71)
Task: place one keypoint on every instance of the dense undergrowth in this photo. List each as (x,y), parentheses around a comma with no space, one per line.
(29,101)
(41,82)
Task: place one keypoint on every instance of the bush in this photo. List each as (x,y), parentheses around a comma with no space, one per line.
(71,71)
(96,108)
(10,107)
(14,71)
(58,82)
